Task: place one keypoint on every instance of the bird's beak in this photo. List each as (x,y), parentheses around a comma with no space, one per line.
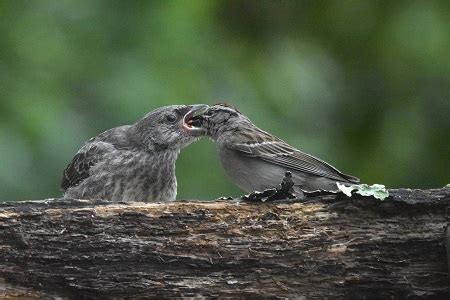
(188,124)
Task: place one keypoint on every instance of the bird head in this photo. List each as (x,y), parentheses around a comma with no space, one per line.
(170,127)
(220,119)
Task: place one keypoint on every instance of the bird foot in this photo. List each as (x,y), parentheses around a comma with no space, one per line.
(284,191)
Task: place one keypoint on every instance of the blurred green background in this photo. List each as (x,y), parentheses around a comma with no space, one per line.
(364,85)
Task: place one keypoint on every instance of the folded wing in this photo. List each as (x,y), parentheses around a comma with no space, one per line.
(80,166)
(280,153)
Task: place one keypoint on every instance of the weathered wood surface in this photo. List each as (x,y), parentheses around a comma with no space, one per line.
(329,247)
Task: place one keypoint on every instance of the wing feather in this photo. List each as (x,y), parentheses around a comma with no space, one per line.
(282,154)
(89,155)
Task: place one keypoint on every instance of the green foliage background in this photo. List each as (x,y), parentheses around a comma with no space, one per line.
(364,85)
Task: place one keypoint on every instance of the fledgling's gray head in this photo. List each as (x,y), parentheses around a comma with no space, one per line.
(221,119)
(169,127)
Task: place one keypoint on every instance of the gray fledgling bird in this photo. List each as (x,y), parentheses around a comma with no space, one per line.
(134,162)
(256,160)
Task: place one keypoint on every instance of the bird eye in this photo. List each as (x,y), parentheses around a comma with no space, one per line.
(171,118)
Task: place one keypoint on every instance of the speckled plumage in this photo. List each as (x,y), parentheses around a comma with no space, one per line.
(130,163)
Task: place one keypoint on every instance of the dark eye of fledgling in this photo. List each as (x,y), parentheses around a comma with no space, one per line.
(171,118)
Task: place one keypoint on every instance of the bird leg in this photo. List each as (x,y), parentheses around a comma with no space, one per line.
(285,190)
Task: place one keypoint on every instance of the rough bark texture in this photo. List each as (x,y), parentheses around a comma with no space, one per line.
(331,246)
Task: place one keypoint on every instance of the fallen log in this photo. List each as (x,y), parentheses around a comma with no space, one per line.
(329,246)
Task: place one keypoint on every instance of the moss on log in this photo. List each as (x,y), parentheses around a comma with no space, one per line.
(330,246)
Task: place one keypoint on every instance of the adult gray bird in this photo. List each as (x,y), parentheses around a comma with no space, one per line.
(134,162)
(256,160)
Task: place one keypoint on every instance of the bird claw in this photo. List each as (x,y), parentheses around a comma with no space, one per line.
(284,191)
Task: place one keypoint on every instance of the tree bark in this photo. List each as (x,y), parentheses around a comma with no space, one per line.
(329,246)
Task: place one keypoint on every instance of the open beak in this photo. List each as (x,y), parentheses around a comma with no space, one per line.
(188,124)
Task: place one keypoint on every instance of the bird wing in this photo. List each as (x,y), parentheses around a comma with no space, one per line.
(89,155)
(280,153)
